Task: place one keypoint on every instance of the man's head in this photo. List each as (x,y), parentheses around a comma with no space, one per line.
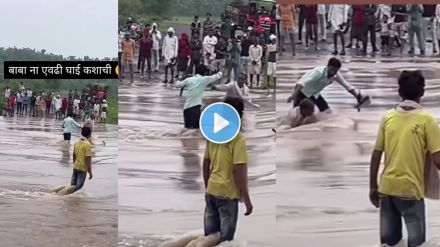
(148,27)
(273,38)
(196,35)
(70,114)
(411,85)
(237,104)
(201,69)
(126,36)
(211,33)
(385,18)
(86,132)
(170,31)
(242,79)
(306,107)
(333,67)
(208,16)
(196,17)
(255,41)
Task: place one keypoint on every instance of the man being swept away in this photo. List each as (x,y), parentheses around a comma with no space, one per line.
(314,81)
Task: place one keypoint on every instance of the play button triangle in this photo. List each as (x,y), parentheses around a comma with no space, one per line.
(219,123)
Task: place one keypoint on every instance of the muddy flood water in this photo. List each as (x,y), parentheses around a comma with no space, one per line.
(323,169)
(161,192)
(32,162)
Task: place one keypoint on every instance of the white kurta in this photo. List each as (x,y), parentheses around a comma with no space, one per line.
(209,46)
(338,15)
(170,48)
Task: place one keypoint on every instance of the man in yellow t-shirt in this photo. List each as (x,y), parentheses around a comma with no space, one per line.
(225,177)
(406,135)
(82,159)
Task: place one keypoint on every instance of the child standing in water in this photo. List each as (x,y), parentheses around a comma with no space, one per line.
(68,125)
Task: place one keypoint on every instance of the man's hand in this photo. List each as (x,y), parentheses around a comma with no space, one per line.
(90,175)
(290,99)
(374,197)
(249,207)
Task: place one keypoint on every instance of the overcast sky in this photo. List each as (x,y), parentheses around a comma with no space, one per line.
(64,27)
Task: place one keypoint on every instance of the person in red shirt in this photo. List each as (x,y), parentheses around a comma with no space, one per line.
(145,46)
(184,54)
(64,107)
(357,27)
(12,100)
(311,11)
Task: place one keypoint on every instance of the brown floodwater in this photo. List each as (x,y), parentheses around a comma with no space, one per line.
(161,192)
(323,169)
(32,162)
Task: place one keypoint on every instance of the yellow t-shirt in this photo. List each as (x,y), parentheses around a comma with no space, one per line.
(406,137)
(223,157)
(82,149)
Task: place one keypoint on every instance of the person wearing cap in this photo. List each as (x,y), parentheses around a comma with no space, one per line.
(209,43)
(156,37)
(316,80)
(272,59)
(128,46)
(104,110)
(170,51)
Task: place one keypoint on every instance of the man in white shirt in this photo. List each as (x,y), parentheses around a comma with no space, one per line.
(7,92)
(322,23)
(209,43)
(237,89)
(255,54)
(157,37)
(170,49)
(437,23)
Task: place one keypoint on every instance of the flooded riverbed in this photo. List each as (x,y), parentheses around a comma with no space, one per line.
(32,162)
(161,192)
(323,170)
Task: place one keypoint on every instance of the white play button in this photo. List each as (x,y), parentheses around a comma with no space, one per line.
(219,123)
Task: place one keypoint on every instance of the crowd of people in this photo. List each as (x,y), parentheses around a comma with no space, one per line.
(90,103)
(395,24)
(220,47)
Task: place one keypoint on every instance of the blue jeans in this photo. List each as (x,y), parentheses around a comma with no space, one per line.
(78,179)
(392,209)
(221,215)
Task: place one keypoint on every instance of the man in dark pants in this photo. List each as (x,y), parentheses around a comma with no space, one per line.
(194,87)
(315,80)
(301,22)
(370,27)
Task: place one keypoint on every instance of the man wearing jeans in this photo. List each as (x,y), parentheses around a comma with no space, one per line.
(226,182)
(415,27)
(407,134)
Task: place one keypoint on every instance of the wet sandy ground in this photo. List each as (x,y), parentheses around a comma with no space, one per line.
(32,163)
(322,172)
(161,192)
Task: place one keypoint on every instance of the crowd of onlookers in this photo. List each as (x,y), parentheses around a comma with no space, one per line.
(219,46)
(88,103)
(395,24)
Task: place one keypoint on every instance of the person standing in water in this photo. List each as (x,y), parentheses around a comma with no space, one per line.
(170,51)
(128,47)
(226,182)
(104,109)
(68,126)
(194,88)
(407,134)
(315,80)
(82,159)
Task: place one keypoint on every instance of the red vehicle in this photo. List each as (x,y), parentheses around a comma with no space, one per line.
(259,14)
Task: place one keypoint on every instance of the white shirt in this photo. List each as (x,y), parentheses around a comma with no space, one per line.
(209,45)
(96,107)
(76,103)
(170,48)
(57,103)
(321,9)
(437,13)
(255,53)
(7,92)
(156,39)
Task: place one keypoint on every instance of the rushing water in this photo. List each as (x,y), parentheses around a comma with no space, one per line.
(323,169)
(32,162)
(161,193)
